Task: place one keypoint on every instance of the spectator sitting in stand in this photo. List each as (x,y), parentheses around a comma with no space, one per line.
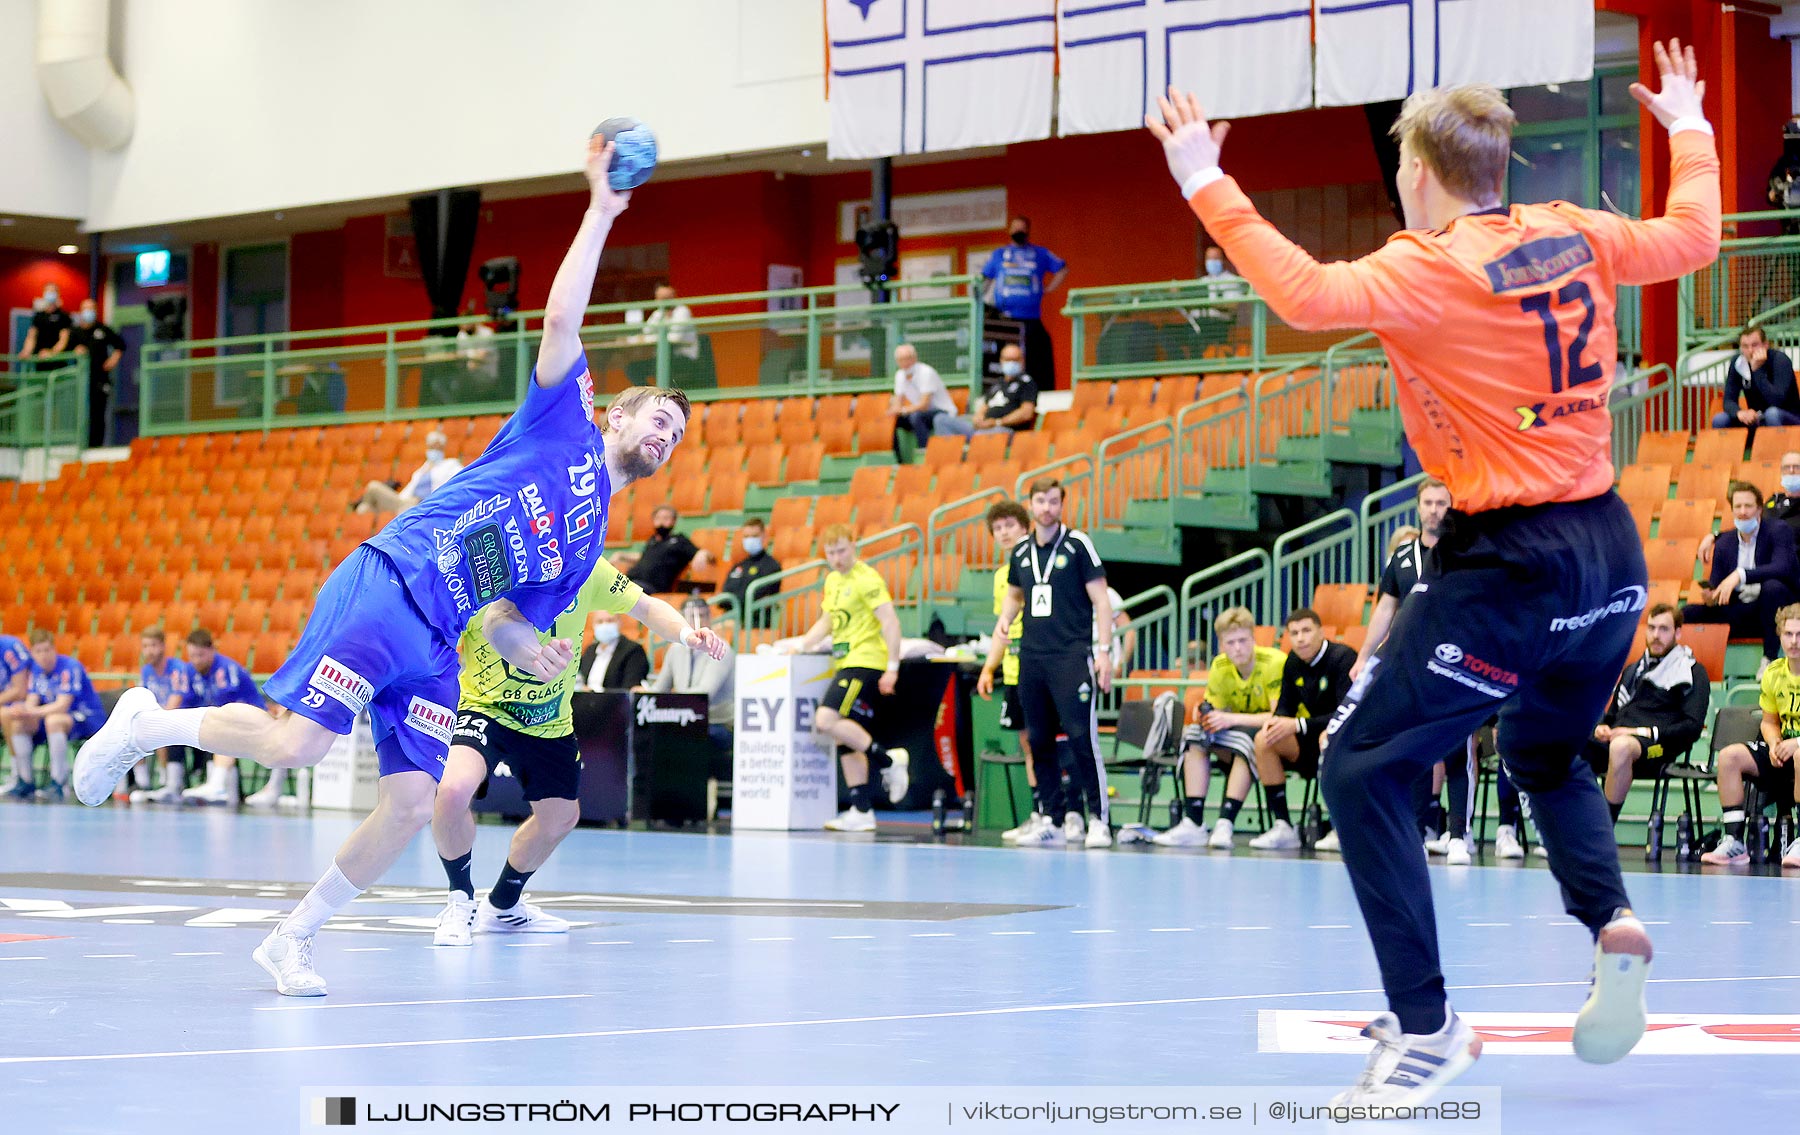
(919,397)
(1759,386)
(1658,709)
(1785,505)
(1008,407)
(1755,573)
(611,661)
(378,496)
(685,671)
(756,563)
(666,556)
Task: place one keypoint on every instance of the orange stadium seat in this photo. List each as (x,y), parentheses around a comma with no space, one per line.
(1719,447)
(803,462)
(1688,520)
(912,480)
(1701,482)
(1670,559)
(1666,447)
(1646,482)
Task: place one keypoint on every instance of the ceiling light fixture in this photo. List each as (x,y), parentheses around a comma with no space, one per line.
(67,249)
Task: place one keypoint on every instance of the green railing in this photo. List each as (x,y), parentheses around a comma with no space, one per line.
(43,407)
(1137,466)
(1321,551)
(1648,400)
(1357,377)
(1148,641)
(959,529)
(796,342)
(1753,274)
(1209,434)
(1381,513)
(1081,503)
(1241,581)
(1178,327)
(789,602)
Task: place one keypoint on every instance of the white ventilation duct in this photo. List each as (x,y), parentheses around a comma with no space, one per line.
(87,96)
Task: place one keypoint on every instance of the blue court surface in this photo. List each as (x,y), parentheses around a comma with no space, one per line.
(131,1003)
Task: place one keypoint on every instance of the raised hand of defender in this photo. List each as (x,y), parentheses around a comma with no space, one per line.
(549,659)
(599,160)
(706,642)
(1190,143)
(1682,90)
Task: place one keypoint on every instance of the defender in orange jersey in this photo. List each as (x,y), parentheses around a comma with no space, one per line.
(1499,325)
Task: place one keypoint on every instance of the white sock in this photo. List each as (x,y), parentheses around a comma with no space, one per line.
(59,757)
(154,728)
(140,774)
(329,895)
(23,750)
(175,774)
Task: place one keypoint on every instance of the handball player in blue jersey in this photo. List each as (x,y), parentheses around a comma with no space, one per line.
(15,670)
(61,706)
(174,683)
(218,680)
(512,536)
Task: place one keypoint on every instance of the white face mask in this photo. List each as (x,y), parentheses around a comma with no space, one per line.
(753,545)
(1215,267)
(1012,370)
(606,634)
(434,455)
(1790,484)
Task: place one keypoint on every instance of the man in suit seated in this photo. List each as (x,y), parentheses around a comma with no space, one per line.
(1755,573)
(611,661)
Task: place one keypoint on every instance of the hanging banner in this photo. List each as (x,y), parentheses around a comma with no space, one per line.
(1242,57)
(911,76)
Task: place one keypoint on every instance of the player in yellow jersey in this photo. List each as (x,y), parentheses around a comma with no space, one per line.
(1499,323)
(1242,688)
(859,623)
(506,714)
(1008,522)
(1769,761)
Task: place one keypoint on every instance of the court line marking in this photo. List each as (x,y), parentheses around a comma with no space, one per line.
(22,958)
(663,1030)
(935,934)
(435,1001)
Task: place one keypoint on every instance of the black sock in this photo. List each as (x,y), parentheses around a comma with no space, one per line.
(1228,811)
(457,870)
(1615,809)
(877,752)
(860,797)
(509,887)
(1196,811)
(1278,809)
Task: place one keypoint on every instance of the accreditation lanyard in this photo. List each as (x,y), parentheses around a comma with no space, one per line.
(1040,573)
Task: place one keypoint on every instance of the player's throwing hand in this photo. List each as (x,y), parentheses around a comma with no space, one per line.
(1682,90)
(704,640)
(599,160)
(1190,142)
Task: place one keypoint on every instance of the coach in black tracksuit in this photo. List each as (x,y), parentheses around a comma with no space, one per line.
(1065,659)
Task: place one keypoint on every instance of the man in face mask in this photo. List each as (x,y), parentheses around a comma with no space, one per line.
(1219,283)
(666,555)
(51,329)
(1008,407)
(612,661)
(439,467)
(103,348)
(1785,505)
(1019,275)
(1754,573)
(756,563)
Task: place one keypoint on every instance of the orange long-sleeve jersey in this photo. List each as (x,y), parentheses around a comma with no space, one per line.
(1500,328)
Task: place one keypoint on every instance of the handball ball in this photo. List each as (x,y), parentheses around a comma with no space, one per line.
(634,153)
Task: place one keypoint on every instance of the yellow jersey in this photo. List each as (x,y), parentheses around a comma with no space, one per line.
(1009,667)
(851,599)
(1231,692)
(495,688)
(1781,696)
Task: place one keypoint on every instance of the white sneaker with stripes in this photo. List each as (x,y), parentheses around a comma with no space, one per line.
(521,919)
(1408,1069)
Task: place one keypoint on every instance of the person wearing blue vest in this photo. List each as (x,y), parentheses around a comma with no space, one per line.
(1020,274)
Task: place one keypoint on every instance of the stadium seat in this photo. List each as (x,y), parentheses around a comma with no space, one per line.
(1702,482)
(1719,447)
(912,480)
(1340,604)
(944,451)
(1688,520)
(984,448)
(803,462)
(1773,441)
(1666,447)
(1647,482)
(1670,559)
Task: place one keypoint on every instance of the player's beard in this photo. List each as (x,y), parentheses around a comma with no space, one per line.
(635,463)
